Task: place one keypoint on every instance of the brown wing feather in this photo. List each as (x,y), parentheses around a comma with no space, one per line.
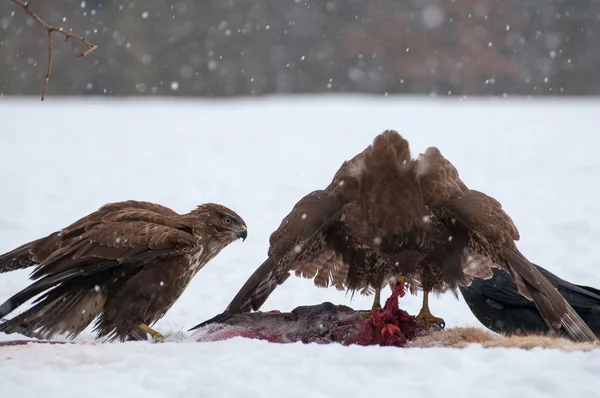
(114,241)
(311,240)
(63,311)
(438,178)
(299,240)
(493,235)
(328,269)
(484,216)
(18,258)
(122,264)
(45,247)
(258,287)
(553,307)
(102,246)
(34,252)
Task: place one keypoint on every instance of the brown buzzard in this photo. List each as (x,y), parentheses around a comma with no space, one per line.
(126,263)
(386,214)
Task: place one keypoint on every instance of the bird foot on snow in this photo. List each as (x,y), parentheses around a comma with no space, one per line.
(156,336)
(428,318)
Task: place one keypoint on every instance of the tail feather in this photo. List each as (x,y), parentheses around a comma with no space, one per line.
(58,312)
(34,289)
(70,276)
(553,307)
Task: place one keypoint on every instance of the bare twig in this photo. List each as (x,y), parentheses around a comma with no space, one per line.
(50,29)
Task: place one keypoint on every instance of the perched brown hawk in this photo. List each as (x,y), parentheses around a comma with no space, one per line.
(386,215)
(126,263)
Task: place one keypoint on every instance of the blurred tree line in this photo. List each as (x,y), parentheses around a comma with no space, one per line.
(255,47)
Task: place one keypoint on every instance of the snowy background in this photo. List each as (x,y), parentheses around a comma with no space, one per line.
(226,48)
(64,158)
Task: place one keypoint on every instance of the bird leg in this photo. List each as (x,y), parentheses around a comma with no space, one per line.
(376,305)
(377,301)
(426,316)
(155,335)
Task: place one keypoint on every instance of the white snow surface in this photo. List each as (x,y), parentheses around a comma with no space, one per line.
(63,158)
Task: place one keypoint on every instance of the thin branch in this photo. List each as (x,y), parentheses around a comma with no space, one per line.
(47,76)
(50,29)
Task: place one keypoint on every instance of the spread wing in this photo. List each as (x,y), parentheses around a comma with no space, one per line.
(300,244)
(438,178)
(328,269)
(34,252)
(128,239)
(484,217)
(324,235)
(492,236)
(450,199)
(22,256)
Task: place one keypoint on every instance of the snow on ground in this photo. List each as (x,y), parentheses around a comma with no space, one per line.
(62,159)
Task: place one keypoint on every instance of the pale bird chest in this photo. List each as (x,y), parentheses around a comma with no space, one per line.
(204,253)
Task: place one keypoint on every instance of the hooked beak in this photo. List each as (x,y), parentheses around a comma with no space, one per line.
(243,233)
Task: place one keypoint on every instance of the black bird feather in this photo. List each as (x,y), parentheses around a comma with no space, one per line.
(499,306)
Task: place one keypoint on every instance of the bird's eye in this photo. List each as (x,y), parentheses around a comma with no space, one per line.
(227,220)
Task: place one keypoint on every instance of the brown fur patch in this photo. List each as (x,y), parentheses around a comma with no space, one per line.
(461,337)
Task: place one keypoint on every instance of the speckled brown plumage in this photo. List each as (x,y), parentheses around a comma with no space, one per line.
(385,214)
(124,265)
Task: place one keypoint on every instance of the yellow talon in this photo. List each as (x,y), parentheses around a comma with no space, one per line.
(364,314)
(155,335)
(426,316)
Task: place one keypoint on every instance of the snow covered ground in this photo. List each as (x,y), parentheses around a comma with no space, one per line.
(62,159)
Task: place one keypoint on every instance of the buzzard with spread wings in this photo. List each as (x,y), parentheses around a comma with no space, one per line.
(385,215)
(125,264)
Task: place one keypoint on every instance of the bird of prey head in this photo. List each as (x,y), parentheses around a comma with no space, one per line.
(222,223)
